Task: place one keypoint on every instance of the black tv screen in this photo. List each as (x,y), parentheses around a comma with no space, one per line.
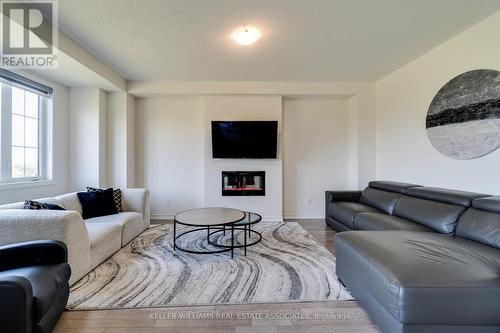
(244,139)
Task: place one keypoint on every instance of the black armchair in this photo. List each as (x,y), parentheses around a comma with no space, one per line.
(34,285)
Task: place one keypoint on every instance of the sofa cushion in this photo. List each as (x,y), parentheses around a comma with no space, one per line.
(453,197)
(383,200)
(482,222)
(380,221)
(14,205)
(70,202)
(422,277)
(130,222)
(344,212)
(396,187)
(336,225)
(49,283)
(439,216)
(490,204)
(105,239)
(20,205)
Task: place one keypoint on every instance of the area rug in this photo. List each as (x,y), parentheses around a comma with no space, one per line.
(288,265)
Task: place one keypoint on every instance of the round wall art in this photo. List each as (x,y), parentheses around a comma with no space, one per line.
(463,120)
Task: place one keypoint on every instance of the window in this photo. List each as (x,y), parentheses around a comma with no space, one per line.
(23,131)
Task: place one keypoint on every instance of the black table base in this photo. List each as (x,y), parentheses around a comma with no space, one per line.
(212,230)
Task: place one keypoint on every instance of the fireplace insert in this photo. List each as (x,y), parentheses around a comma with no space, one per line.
(243,183)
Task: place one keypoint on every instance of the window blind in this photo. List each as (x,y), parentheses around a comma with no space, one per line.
(25,83)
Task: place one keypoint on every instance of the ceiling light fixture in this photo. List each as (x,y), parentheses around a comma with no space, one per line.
(246,35)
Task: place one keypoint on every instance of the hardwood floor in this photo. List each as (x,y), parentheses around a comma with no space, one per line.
(305,317)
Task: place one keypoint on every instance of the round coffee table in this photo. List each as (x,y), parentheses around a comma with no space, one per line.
(215,220)
(245,225)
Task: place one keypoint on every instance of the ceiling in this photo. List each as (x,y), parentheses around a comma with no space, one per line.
(303,40)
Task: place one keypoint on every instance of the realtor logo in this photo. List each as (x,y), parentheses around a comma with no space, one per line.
(29,34)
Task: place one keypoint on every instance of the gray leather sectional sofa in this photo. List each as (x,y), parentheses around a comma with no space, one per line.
(419,259)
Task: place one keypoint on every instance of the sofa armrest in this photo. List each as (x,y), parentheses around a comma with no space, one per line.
(137,200)
(345,195)
(19,225)
(32,253)
(16,304)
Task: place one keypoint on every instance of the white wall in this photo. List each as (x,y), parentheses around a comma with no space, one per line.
(60,149)
(237,108)
(77,68)
(130,139)
(174,158)
(169,153)
(315,154)
(121,140)
(402,98)
(117,139)
(103,138)
(360,94)
(365,140)
(88,138)
(354,171)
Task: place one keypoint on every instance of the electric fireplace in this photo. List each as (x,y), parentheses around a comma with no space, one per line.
(243,183)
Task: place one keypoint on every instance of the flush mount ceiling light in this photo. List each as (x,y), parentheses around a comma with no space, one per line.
(246,35)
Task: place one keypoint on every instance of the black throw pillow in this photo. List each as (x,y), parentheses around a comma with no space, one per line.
(117,196)
(95,204)
(36,205)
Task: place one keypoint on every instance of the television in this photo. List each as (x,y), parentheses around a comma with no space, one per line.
(244,139)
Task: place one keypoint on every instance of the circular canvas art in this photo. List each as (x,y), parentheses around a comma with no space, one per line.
(463,120)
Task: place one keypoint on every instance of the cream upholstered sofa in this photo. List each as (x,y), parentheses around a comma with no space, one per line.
(90,241)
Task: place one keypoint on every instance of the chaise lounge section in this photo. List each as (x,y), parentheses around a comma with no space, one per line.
(420,259)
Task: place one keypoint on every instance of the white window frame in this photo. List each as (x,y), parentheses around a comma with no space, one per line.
(44,149)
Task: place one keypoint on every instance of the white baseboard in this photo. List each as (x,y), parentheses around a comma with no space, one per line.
(272,218)
(304,217)
(162,216)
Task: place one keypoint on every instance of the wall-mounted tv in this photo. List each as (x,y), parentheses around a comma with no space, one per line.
(244,139)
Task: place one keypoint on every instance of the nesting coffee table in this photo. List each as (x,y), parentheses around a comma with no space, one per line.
(216,221)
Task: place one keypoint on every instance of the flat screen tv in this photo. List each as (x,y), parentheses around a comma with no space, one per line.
(244,139)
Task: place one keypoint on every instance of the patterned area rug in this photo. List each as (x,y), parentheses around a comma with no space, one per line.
(287,265)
